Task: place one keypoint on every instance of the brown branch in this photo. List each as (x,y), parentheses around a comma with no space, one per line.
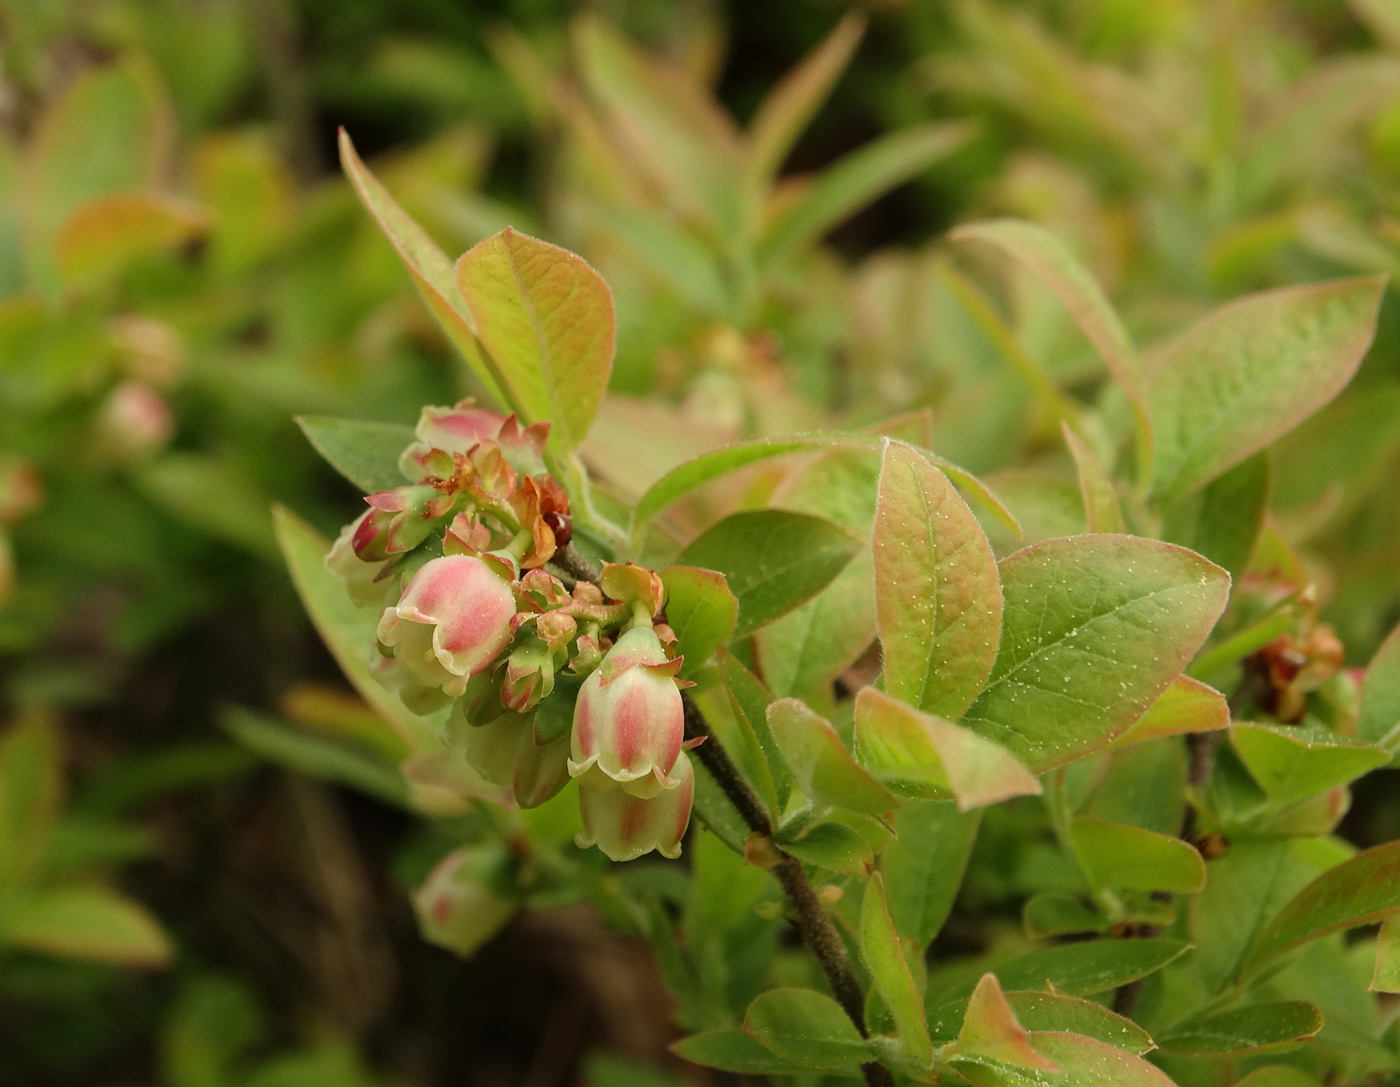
(577,565)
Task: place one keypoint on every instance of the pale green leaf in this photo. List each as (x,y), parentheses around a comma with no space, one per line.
(90,923)
(1118,855)
(1379,717)
(1257,1028)
(1101,510)
(879,943)
(366,453)
(806,1028)
(700,609)
(1188,705)
(923,866)
(821,764)
(1293,763)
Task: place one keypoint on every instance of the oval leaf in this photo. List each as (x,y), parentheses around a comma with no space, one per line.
(1118,855)
(1082,1062)
(1259,1028)
(89,923)
(820,762)
(700,609)
(806,1028)
(366,453)
(879,944)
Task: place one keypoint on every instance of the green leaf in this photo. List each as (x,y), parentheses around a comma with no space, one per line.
(807,1029)
(684,478)
(732,1051)
(833,846)
(1117,855)
(674,256)
(820,762)
(700,609)
(1040,1011)
(85,922)
(854,181)
(879,944)
(1188,705)
(925,756)
(804,651)
(936,590)
(1055,914)
(923,866)
(1386,977)
(319,756)
(790,106)
(751,699)
(432,273)
(1293,763)
(31,791)
(1223,520)
(1251,371)
(1258,1028)
(1082,969)
(716,811)
(991,1032)
(546,318)
(773,560)
(1094,629)
(365,453)
(1101,509)
(1278,1076)
(1378,721)
(1080,1062)
(1050,261)
(1360,891)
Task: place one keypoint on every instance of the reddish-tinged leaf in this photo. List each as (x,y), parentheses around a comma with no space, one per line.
(820,762)
(1083,1062)
(991,1031)
(1101,510)
(936,589)
(1188,705)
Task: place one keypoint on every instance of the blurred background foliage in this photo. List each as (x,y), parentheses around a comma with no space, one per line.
(182,270)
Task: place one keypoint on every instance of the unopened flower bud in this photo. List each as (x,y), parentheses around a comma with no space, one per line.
(134,423)
(458,429)
(398,521)
(629,722)
(453,621)
(462,903)
(625,826)
(529,675)
(505,752)
(358,576)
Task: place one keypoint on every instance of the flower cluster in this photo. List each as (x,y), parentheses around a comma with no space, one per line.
(545,682)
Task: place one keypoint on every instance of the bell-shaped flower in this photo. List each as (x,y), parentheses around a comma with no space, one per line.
(466,899)
(629,722)
(453,621)
(625,826)
(460,428)
(506,752)
(360,578)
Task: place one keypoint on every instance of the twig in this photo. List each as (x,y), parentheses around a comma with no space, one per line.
(574,563)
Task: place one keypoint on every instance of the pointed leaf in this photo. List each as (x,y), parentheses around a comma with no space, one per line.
(31,790)
(1225,519)
(366,453)
(936,589)
(1379,718)
(820,762)
(1101,510)
(732,1051)
(430,269)
(1082,1062)
(879,943)
(1386,978)
(923,866)
(1259,1028)
(1082,969)
(1251,371)
(546,318)
(991,1031)
(750,698)
(88,923)
(700,609)
(1117,855)
(833,846)
(1039,1011)
(1050,261)
(1094,629)
(1360,891)
(1188,705)
(773,560)
(1293,763)
(927,756)
(807,1029)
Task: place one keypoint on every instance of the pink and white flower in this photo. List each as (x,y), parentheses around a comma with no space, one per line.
(459,428)
(453,621)
(625,826)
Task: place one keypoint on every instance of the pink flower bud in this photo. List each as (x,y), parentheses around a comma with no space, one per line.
(629,721)
(21,490)
(453,620)
(357,575)
(625,826)
(135,422)
(398,521)
(461,904)
(459,428)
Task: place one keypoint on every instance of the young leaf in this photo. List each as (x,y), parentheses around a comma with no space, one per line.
(1250,371)
(833,846)
(1292,763)
(991,1032)
(773,560)
(1101,510)
(923,866)
(782,115)
(31,790)
(1223,521)
(1039,1011)
(937,596)
(926,756)
(546,318)
(852,182)
(879,943)
(700,609)
(802,652)
(1386,978)
(1117,855)
(749,697)
(1188,705)
(820,762)
(1379,717)
(88,923)
(1081,969)
(732,1051)
(1094,629)
(1046,257)
(1258,1028)
(1360,891)
(1082,1062)
(807,1029)
(430,270)
(364,452)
